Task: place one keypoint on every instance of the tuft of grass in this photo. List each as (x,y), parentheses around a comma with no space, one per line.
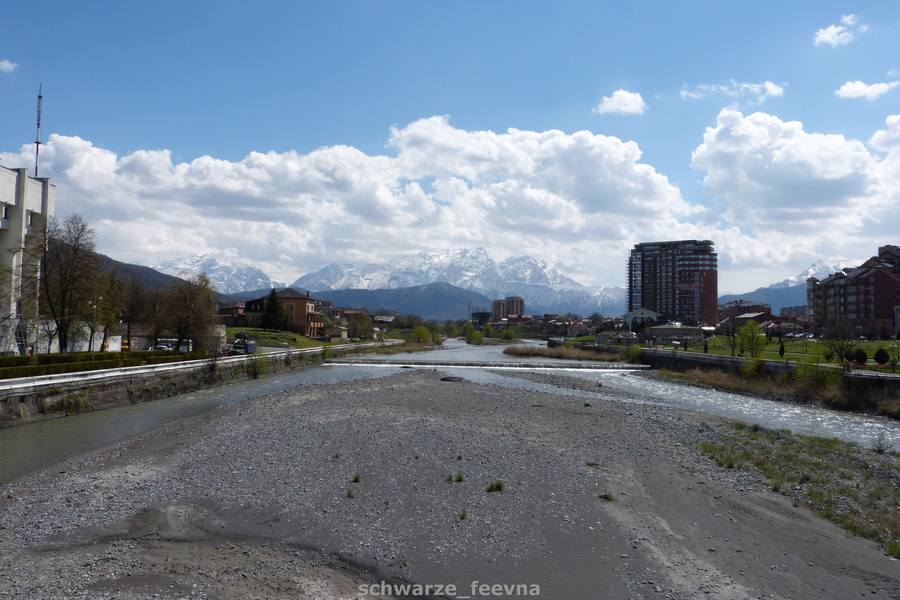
(459,478)
(497,486)
(463,516)
(607,497)
(459,457)
(591,464)
(350,493)
(355,478)
(851,486)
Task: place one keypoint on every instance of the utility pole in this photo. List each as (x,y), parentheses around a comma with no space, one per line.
(37,136)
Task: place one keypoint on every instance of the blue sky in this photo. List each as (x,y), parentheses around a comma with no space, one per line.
(225,79)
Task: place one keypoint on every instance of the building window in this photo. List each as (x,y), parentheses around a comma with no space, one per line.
(5,211)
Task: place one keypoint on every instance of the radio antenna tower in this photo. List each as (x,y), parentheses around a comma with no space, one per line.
(37,137)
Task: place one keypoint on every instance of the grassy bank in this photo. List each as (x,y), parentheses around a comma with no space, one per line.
(398,348)
(275,338)
(564,352)
(854,487)
(806,384)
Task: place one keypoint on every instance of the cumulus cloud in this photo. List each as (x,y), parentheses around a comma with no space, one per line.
(754,93)
(889,138)
(840,35)
(812,194)
(621,102)
(579,197)
(858,89)
(7,66)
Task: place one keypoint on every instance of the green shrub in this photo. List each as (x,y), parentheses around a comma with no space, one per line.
(860,357)
(882,357)
(753,368)
(475,337)
(634,353)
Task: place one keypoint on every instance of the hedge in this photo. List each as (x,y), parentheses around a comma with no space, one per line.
(123,360)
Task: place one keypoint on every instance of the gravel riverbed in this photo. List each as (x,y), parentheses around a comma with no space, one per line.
(312,492)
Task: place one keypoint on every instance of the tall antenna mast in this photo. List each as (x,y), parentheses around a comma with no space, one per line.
(37,137)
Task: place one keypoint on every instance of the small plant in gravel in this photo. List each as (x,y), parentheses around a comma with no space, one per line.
(882,444)
(591,464)
(350,493)
(607,497)
(459,457)
(459,478)
(497,486)
(463,516)
(355,478)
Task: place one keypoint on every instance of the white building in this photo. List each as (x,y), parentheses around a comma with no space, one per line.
(26,204)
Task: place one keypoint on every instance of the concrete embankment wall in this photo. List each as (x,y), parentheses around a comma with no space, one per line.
(27,400)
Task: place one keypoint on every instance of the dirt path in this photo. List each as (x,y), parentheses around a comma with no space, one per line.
(312,493)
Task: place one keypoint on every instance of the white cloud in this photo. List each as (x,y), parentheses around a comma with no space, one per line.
(833,35)
(755,93)
(784,197)
(555,194)
(889,138)
(858,89)
(621,102)
(807,194)
(7,66)
(840,35)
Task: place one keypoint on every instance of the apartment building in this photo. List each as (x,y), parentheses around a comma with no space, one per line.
(26,205)
(677,279)
(299,311)
(506,307)
(867,296)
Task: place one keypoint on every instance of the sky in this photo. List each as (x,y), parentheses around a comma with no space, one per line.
(291,135)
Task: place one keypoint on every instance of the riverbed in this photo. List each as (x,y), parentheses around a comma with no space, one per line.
(29,447)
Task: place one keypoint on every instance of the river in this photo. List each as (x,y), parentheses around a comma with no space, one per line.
(37,445)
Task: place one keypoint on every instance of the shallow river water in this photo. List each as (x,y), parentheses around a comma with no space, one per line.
(33,446)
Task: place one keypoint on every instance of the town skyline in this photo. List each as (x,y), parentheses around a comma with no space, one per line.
(764,158)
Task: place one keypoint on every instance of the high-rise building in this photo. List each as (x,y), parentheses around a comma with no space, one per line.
(511,305)
(678,279)
(26,204)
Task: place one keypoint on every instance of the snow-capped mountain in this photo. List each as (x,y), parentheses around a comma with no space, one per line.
(819,269)
(542,286)
(226,276)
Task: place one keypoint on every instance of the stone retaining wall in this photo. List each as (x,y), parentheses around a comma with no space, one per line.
(68,398)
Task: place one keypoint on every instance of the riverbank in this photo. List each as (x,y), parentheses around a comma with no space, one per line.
(339,485)
(565,352)
(98,390)
(807,385)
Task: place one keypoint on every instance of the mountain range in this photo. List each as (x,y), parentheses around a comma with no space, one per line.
(226,277)
(544,288)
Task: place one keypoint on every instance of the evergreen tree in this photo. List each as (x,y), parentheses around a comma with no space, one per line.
(273,315)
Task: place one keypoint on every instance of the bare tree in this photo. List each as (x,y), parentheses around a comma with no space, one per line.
(68,272)
(191,306)
(134,306)
(839,340)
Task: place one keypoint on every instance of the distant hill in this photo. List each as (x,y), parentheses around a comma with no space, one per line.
(778,298)
(146,276)
(440,301)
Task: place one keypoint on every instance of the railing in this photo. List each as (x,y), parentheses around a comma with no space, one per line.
(22,385)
